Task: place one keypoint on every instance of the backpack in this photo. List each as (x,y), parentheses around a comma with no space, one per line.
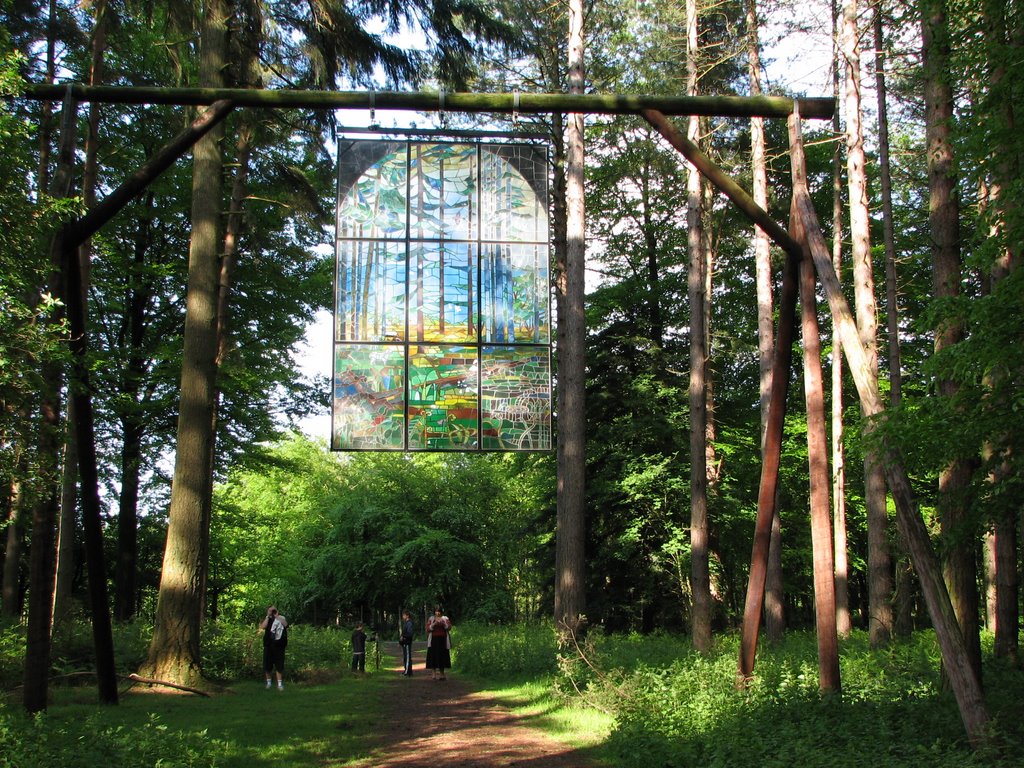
(282,641)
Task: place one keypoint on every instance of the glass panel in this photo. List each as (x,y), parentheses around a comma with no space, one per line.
(369,397)
(372,190)
(514,293)
(371,291)
(443,404)
(511,209)
(442,191)
(515,399)
(442,295)
(441,250)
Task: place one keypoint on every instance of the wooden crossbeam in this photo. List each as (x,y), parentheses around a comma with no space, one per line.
(440,101)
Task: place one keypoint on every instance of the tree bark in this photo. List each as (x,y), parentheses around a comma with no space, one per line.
(700,574)
(522,103)
(174,653)
(570,588)
(961,567)
(44,508)
(774,609)
(879,560)
(844,621)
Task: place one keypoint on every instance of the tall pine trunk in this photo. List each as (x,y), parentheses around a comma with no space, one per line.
(174,654)
(879,560)
(570,588)
(960,567)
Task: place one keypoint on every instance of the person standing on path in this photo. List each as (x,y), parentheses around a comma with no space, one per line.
(274,627)
(405,640)
(439,644)
(359,649)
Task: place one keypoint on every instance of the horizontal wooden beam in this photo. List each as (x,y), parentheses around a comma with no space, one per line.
(439,101)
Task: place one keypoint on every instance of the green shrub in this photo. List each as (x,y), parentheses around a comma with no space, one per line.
(39,742)
(504,652)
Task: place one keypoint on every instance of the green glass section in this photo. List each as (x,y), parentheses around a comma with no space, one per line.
(443,401)
(442,191)
(511,210)
(369,397)
(515,399)
(372,190)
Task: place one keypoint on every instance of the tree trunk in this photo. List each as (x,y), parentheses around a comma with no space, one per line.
(879,560)
(44,508)
(425,101)
(570,588)
(844,621)
(10,598)
(700,575)
(774,610)
(961,567)
(66,529)
(174,653)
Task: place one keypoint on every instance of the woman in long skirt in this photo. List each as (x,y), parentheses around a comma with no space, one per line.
(439,644)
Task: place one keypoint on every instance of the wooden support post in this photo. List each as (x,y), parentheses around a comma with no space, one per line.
(817,457)
(956,662)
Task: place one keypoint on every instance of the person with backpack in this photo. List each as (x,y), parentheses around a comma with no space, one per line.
(275,640)
(405,640)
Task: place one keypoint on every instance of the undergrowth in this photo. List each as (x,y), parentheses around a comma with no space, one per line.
(664,705)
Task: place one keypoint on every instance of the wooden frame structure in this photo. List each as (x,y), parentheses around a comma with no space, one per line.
(803,245)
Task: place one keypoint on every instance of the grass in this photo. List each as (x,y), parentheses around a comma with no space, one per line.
(538,706)
(648,702)
(303,725)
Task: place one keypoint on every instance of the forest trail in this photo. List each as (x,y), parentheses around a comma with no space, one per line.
(429,723)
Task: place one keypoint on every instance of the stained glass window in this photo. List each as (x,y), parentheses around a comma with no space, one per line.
(442,329)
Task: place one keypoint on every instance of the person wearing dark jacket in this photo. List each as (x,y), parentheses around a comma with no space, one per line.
(359,649)
(405,640)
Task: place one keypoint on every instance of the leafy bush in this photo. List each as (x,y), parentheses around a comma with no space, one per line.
(39,742)
(505,652)
(892,712)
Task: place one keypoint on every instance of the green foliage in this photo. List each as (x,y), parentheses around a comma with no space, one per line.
(510,651)
(41,742)
(322,536)
(892,712)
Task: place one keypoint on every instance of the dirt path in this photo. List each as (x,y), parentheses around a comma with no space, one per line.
(433,723)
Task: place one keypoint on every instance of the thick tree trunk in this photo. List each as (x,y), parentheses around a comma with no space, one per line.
(570,587)
(774,610)
(961,567)
(174,653)
(879,560)
(700,575)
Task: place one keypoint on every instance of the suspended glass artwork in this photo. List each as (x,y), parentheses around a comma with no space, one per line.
(442,331)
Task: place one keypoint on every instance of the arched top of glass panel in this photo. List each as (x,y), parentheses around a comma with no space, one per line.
(438,191)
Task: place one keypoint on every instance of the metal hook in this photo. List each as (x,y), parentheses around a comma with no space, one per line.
(515,108)
(373,110)
(440,108)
